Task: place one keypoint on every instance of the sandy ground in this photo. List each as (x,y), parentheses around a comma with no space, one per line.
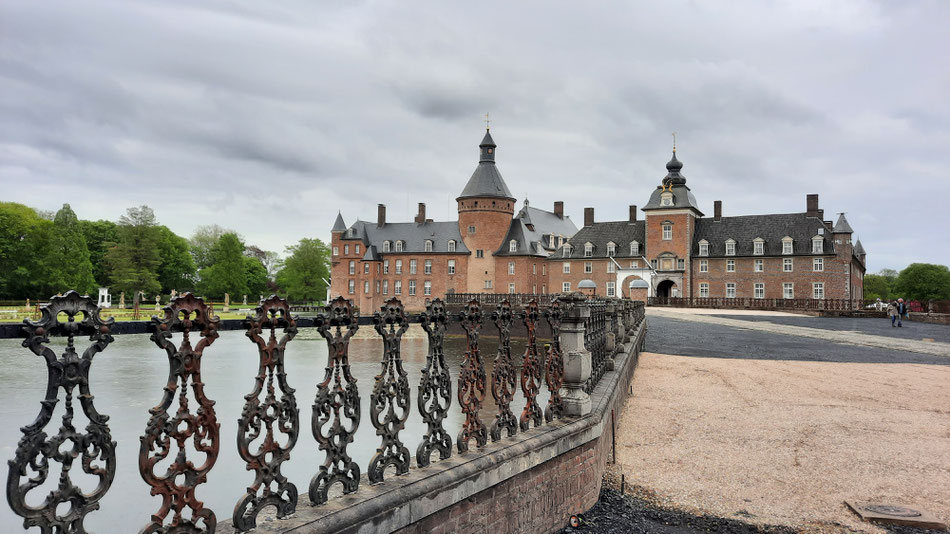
(787,442)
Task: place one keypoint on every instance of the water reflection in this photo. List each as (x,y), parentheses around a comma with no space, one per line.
(127,379)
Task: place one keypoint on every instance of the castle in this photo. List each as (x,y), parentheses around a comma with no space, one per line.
(674,251)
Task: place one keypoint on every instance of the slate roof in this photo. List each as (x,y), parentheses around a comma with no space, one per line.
(531,228)
(858,249)
(842,226)
(601,233)
(682,197)
(486,181)
(413,234)
(772,228)
(338,225)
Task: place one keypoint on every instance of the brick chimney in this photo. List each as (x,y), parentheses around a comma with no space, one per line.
(588,216)
(381,215)
(633,213)
(811,205)
(559,209)
(821,214)
(717,210)
(421,217)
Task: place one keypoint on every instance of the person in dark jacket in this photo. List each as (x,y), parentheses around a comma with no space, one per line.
(901,311)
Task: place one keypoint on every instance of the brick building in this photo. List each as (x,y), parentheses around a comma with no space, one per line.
(489,249)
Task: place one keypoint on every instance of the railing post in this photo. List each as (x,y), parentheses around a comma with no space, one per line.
(612,338)
(577,359)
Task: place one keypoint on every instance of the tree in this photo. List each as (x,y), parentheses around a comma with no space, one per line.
(270,260)
(877,287)
(100,237)
(24,248)
(923,281)
(67,263)
(203,241)
(227,272)
(304,271)
(135,259)
(256,276)
(177,268)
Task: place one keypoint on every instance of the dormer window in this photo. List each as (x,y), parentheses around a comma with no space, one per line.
(730,247)
(551,241)
(399,245)
(666,198)
(758,246)
(817,245)
(451,246)
(566,251)
(704,248)
(385,246)
(787,245)
(634,248)
(588,250)
(560,240)
(611,249)
(351,232)
(513,246)
(428,245)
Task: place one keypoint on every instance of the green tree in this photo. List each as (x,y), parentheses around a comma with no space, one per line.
(24,250)
(135,259)
(177,268)
(271,260)
(100,237)
(877,287)
(227,272)
(68,261)
(923,281)
(256,276)
(203,242)
(304,271)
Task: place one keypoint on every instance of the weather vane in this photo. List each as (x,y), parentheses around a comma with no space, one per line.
(674,142)
(487,122)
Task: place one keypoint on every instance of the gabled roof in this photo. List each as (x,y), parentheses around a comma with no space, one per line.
(621,233)
(842,226)
(772,228)
(414,235)
(338,225)
(529,228)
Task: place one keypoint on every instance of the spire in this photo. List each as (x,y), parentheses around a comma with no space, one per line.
(486,181)
(487,147)
(842,226)
(339,225)
(673,176)
(859,249)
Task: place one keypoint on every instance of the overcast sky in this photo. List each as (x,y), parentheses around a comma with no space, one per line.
(268,117)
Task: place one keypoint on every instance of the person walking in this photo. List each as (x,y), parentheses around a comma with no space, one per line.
(901,311)
(892,312)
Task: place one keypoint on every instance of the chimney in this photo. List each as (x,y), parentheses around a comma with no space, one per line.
(633,213)
(811,205)
(821,214)
(380,214)
(559,209)
(421,217)
(717,210)
(588,216)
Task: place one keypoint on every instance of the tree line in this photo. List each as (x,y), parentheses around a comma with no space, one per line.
(42,254)
(918,281)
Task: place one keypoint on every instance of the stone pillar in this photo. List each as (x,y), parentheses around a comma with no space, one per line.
(227,303)
(122,300)
(577,359)
(612,339)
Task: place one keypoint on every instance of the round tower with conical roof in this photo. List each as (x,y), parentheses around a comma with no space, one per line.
(485,209)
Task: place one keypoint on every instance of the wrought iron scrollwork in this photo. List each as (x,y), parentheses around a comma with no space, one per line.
(177,485)
(435,388)
(554,363)
(503,376)
(336,409)
(531,369)
(471,392)
(94,448)
(260,421)
(389,402)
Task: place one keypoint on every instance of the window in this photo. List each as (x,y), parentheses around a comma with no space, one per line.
(398,266)
(365,268)
(479,253)
(704,266)
(377,287)
(730,248)
(787,265)
(397,287)
(487,284)
(817,245)
(412,266)
(352,267)
(427,287)
(567,267)
(611,249)
(346,249)
(534,289)
(544,270)
(451,246)
(412,287)
(653,263)
(511,267)
(681,264)
(566,251)
(511,288)
(451,266)
(566,287)
(385,287)
(634,264)
(399,246)
(428,245)
(786,245)
(730,290)
(704,290)
(471,229)
(704,248)
(588,267)
(357,249)
(611,267)
(351,287)
(336,251)
(667,232)
(788,290)
(551,241)
(759,266)
(534,268)
(588,250)
(818,290)
(385,246)
(730,266)
(821,231)
(560,240)
(818,264)
(366,287)
(427,267)
(758,247)
(611,289)
(634,248)
(759,291)
(513,246)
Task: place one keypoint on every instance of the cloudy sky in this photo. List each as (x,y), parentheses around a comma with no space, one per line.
(268,117)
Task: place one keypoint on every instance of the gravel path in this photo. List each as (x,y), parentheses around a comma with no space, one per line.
(874,326)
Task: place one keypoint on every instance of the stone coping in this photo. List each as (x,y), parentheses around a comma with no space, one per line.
(400,501)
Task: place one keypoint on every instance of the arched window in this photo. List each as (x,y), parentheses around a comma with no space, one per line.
(730,247)
(611,249)
(385,246)
(704,248)
(758,246)
(634,248)
(399,246)
(451,245)
(513,246)
(588,250)
(566,251)
(428,245)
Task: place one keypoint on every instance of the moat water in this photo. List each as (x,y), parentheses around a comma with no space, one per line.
(128,377)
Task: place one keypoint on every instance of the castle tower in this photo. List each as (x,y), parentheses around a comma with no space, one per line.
(485,209)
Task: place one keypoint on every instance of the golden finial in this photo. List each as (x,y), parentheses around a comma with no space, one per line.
(487,122)
(674,142)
